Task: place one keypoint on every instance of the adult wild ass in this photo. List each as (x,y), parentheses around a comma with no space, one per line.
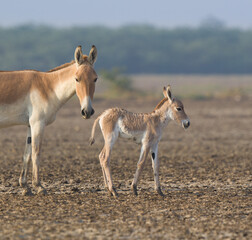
(144,128)
(32,98)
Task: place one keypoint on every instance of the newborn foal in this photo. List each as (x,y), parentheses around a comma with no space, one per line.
(144,128)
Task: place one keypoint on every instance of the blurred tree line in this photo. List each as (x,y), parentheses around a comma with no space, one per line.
(137,48)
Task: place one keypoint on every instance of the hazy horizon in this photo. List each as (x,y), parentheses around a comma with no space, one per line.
(113,13)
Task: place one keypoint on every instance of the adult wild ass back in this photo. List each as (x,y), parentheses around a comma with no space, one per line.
(32,98)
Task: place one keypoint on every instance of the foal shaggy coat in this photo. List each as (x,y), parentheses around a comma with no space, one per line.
(144,128)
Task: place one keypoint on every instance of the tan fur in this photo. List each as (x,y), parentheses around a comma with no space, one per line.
(32,98)
(145,128)
(85,76)
(15,84)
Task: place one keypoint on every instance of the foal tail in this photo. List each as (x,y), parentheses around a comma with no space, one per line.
(91,139)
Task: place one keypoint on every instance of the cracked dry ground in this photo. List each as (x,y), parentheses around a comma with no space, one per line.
(205,173)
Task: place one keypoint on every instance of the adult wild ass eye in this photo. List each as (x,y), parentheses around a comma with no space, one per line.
(179,109)
(95,79)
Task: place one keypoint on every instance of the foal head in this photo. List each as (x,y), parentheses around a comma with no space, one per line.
(85,78)
(175,108)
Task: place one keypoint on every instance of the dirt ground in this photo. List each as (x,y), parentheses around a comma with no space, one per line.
(205,174)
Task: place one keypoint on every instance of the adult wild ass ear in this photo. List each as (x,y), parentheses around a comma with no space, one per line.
(78,55)
(167,93)
(92,55)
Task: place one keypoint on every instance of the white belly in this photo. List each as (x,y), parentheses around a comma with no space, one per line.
(32,107)
(137,136)
(13,114)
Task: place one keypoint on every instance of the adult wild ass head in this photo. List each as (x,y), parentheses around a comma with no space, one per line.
(85,78)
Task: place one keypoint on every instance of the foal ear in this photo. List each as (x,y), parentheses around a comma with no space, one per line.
(92,55)
(167,92)
(78,55)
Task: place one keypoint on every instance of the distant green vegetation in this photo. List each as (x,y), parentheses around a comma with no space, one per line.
(138,49)
(117,80)
(119,84)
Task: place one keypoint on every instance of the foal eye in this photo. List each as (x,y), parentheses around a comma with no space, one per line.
(95,79)
(179,109)
(76,79)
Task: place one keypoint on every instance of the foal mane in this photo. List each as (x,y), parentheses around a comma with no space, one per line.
(62,66)
(160,104)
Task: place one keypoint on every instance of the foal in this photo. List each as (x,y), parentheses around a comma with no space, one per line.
(144,128)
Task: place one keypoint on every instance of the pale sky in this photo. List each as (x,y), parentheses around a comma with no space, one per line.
(114,13)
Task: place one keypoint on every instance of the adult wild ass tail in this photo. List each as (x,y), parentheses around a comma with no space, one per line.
(91,139)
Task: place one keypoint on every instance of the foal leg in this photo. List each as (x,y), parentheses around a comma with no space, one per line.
(37,130)
(143,155)
(107,171)
(155,166)
(26,163)
(102,157)
(110,138)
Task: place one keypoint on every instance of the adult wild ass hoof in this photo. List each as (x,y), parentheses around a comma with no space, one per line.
(27,192)
(26,189)
(41,191)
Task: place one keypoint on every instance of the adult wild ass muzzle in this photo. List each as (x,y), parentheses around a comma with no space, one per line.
(87,114)
(87,109)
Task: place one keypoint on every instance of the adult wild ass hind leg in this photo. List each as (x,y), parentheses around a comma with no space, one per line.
(37,130)
(155,166)
(26,163)
(143,155)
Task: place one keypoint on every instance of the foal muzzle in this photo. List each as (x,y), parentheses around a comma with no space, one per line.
(185,123)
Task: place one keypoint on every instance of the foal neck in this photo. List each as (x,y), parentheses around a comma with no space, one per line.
(160,111)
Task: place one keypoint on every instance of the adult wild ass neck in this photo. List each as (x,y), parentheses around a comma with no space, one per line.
(144,128)
(32,98)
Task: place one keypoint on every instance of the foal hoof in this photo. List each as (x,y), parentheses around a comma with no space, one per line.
(27,192)
(159,192)
(41,191)
(134,189)
(114,193)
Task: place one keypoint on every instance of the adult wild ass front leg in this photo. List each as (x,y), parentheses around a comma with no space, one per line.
(37,131)
(26,163)
(32,151)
